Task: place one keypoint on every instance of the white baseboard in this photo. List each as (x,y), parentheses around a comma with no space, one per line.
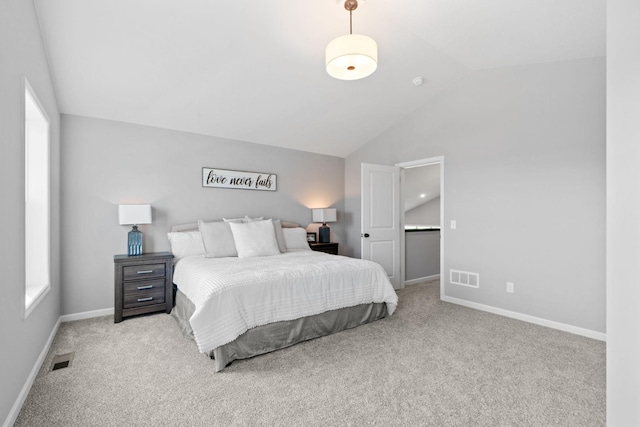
(531,319)
(17,406)
(421,279)
(86,315)
(15,410)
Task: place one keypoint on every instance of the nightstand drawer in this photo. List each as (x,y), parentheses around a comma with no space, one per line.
(143,271)
(142,284)
(137,294)
(329,248)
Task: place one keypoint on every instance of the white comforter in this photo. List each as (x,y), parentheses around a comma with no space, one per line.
(232,295)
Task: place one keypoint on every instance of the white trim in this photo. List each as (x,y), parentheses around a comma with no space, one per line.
(36,300)
(413,164)
(86,315)
(421,162)
(28,87)
(17,406)
(43,290)
(403,237)
(600,336)
(421,279)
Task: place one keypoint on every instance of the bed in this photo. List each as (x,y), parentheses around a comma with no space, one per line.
(249,286)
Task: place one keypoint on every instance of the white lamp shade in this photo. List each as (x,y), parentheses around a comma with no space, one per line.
(134,214)
(351,57)
(324,215)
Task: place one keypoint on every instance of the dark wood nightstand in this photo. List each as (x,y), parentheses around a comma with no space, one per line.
(330,248)
(143,284)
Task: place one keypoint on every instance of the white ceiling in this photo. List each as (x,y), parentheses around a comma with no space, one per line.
(420,185)
(254,71)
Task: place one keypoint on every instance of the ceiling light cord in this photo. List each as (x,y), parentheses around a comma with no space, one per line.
(350,21)
(351,5)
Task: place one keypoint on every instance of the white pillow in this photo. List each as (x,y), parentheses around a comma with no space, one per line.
(257,238)
(234,220)
(186,243)
(282,244)
(245,219)
(218,239)
(287,224)
(296,238)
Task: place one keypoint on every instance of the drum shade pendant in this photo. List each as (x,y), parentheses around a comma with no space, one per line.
(352,56)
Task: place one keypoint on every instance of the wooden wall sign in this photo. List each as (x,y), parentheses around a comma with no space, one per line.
(220,178)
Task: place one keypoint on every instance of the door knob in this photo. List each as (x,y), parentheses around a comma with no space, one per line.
(365,235)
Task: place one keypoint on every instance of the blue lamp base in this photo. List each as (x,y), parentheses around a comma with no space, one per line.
(135,242)
(324,234)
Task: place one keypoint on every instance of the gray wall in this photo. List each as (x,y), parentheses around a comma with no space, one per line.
(623,213)
(422,248)
(107,163)
(524,177)
(22,54)
(425,214)
(422,254)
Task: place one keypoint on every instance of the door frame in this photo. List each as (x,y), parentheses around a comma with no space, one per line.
(412,164)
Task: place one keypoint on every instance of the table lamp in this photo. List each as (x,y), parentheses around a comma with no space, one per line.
(324,216)
(134,215)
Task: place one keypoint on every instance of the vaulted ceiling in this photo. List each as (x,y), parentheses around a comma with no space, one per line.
(254,70)
(420,185)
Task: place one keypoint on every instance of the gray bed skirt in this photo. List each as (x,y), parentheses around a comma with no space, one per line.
(274,336)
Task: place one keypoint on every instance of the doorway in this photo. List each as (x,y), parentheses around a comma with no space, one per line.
(422,219)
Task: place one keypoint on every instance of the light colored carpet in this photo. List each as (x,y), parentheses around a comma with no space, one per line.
(431,364)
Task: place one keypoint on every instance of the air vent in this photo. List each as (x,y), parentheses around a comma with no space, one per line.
(61,361)
(464,278)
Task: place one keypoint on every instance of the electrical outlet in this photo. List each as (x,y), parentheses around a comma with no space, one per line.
(509,287)
(453,224)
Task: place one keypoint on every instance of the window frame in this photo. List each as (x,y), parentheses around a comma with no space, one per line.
(34,294)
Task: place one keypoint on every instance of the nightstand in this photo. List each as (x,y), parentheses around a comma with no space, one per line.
(330,248)
(143,284)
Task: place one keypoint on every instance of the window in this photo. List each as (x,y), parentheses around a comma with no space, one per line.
(36,207)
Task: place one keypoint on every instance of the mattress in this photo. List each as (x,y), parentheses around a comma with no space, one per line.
(231,296)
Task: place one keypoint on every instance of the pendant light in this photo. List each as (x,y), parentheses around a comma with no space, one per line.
(352,56)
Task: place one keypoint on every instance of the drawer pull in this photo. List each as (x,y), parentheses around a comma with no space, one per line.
(140,288)
(145,271)
(145,299)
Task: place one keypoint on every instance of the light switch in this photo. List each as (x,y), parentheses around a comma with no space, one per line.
(453,224)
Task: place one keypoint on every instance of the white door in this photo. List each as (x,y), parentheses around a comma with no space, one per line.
(380,233)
